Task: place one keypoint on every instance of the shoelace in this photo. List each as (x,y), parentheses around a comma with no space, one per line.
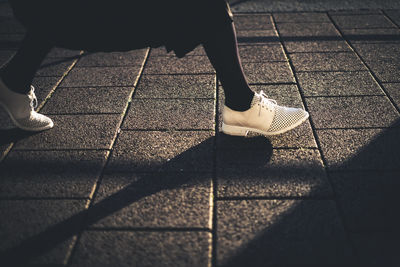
(265,101)
(33,98)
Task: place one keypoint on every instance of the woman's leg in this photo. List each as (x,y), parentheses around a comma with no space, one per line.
(222,50)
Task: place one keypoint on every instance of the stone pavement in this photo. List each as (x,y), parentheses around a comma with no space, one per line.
(137,173)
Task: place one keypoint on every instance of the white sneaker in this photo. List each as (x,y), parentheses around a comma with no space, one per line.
(21,109)
(264,117)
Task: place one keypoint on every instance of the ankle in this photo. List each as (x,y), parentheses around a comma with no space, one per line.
(242,103)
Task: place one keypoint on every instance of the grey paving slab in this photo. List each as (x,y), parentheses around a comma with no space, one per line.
(261,53)
(362,21)
(163,150)
(113,59)
(301,17)
(176,86)
(313,31)
(43,86)
(256,172)
(174,65)
(257,37)
(59,52)
(159,114)
(368,200)
(352,112)
(253,22)
(316,46)
(59,174)
(385,35)
(153,200)
(101,76)
(162,52)
(74,132)
(268,72)
(280,232)
(362,149)
(394,15)
(393,89)
(123,248)
(326,62)
(377,248)
(32,232)
(54,67)
(338,83)
(357,12)
(87,100)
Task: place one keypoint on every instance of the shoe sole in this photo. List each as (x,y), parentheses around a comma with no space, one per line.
(47,127)
(243,131)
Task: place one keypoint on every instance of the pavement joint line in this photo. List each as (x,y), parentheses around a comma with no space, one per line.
(107,157)
(319,147)
(375,78)
(345,96)
(358,128)
(11,145)
(149,229)
(389,18)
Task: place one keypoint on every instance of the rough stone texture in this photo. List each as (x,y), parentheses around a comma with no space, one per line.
(162,51)
(50,173)
(365,149)
(176,86)
(101,76)
(58,52)
(154,200)
(362,21)
(394,15)
(377,248)
(256,171)
(54,67)
(372,35)
(170,114)
(393,90)
(257,37)
(74,132)
(301,17)
(34,227)
(280,232)
(268,72)
(261,53)
(367,199)
(308,31)
(98,248)
(326,62)
(167,150)
(174,65)
(316,46)
(43,86)
(253,22)
(88,100)
(114,59)
(338,83)
(351,112)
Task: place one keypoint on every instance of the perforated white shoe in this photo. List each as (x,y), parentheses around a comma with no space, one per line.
(264,117)
(21,109)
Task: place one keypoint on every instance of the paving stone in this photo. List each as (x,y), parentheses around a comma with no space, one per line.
(38,231)
(101,76)
(257,37)
(351,112)
(377,249)
(362,21)
(43,86)
(393,15)
(54,67)
(253,22)
(88,100)
(59,52)
(351,12)
(162,52)
(338,83)
(167,150)
(39,174)
(301,17)
(372,35)
(113,59)
(268,72)
(74,132)
(326,62)
(361,149)
(393,90)
(170,200)
(261,53)
(259,172)
(171,114)
(174,65)
(123,248)
(176,86)
(368,199)
(317,46)
(280,232)
(312,31)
